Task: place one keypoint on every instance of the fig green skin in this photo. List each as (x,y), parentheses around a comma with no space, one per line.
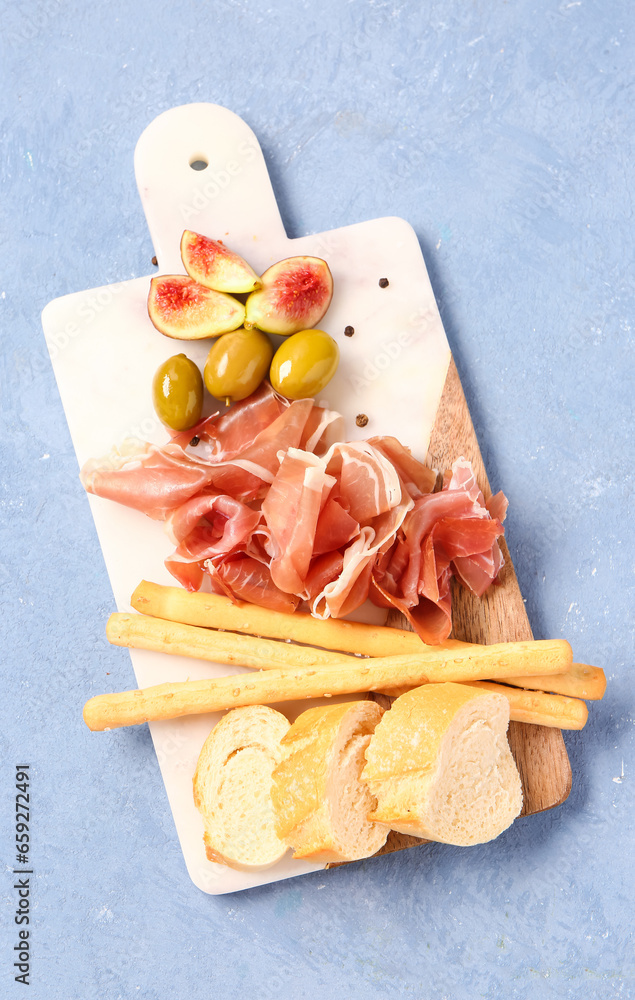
(177,393)
(237,364)
(304,364)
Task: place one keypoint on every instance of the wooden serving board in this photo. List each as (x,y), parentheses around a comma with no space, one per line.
(396,369)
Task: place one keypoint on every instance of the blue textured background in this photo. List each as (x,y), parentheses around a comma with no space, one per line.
(504,133)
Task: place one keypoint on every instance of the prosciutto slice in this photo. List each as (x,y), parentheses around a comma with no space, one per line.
(445,534)
(415,477)
(246,579)
(207,526)
(263,505)
(291,510)
(259,458)
(368,484)
(349,591)
(335,527)
(477,570)
(323,570)
(139,475)
(432,620)
(223,437)
(322,429)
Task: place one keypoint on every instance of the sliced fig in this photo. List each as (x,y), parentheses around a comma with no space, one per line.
(181,308)
(211,264)
(295,294)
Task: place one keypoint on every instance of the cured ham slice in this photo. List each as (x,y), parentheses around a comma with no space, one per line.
(432,620)
(335,528)
(479,570)
(246,579)
(415,477)
(262,457)
(236,480)
(380,500)
(190,575)
(497,506)
(265,506)
(291,510)
(224,437)
(446,533)
(389,569)
(228,523)
(322,429)
(252,438)
(368,483)
(349,591)
(323,570)
(207,526)
(429,518)
(249,473)
(343,592)
(152,480)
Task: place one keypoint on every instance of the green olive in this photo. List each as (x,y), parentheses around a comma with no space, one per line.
(177,393)
(237,364)
(304,364)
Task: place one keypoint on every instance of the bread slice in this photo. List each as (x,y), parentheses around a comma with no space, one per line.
(440,765)
(321,805)
(232,787)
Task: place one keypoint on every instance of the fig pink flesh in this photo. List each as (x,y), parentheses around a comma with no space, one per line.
(180,307)
(203,253)
(295,294)
(301,291)
(212,264)
(173,297)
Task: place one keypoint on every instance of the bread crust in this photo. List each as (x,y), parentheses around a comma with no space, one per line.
(231,788)
(417,775)
(319,777)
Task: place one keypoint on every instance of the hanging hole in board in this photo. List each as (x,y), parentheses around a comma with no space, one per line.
(199,163)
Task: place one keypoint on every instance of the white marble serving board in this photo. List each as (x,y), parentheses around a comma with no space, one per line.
(105,351)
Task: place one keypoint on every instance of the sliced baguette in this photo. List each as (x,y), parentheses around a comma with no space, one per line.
(232,788)
(440,766)
(320,803)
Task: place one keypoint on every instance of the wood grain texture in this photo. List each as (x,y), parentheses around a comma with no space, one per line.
(499,616)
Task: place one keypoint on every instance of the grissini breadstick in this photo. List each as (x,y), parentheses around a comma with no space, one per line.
(550,656)
(141,631)
(161,636)
(169,701)
(542,709)
(581,681)
(554,710)
(214,611)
